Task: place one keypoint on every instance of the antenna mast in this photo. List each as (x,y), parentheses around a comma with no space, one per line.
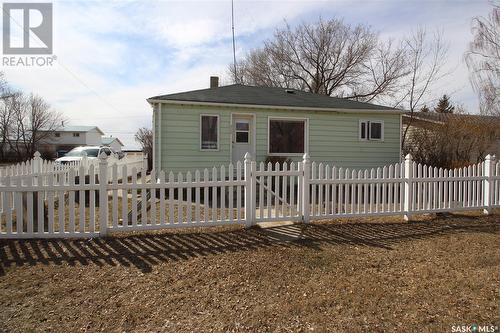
(234,47)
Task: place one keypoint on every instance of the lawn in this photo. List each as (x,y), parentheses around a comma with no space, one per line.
(359,275)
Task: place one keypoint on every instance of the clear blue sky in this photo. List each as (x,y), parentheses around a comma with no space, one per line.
(112,55)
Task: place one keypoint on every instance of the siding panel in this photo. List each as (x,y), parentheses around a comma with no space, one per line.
(333,137)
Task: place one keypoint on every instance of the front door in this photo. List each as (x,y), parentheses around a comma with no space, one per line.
(242,137)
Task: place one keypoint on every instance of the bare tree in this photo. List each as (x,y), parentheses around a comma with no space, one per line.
(336,59)
(426,58)
(5,116)
(32,123)
(327,57)
(483,60)
(6,123)
(144,136)
(456,142)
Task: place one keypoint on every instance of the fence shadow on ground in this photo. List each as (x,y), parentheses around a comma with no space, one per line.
(146,250)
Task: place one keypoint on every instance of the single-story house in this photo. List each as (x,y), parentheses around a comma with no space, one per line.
(217,126)
(112,142)
(486,126)
(65,138)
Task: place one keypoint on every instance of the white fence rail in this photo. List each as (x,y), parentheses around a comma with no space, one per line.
(90,201)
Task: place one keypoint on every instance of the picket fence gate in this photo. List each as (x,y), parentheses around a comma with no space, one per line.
(94,200)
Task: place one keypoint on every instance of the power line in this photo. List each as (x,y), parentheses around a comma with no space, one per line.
(121,117)
(62,65)
(234,45)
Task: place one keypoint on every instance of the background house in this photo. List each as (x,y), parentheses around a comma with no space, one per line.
(451,139)
(65,138)
(133,151)
(204,128)
(112,142)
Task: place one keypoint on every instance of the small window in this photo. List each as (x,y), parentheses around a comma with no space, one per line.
(209,132)
(76,135)
(371,130)
(242,131)
(57,135)
(287,136)
(375,131)
(364,132)
(242,137)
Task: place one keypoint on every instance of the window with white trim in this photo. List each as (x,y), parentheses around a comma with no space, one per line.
(287,136)
(242,131)
(209,132)
(371,130)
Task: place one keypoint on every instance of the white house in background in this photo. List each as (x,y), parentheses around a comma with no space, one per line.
(65,138)
(112,142)
(133,151)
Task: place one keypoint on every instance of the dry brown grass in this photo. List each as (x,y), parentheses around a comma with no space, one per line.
(376,275)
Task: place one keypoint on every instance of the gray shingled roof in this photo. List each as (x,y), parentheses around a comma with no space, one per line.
(76,129)
(242,94)
(444,117)
(107,140)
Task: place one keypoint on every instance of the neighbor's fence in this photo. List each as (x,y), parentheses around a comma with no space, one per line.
(107,197)
(37,165)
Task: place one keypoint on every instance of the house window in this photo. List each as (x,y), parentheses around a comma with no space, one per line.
(209,132)
(76,135)
(287,136)
(242,131)
(371,130)
(57,135)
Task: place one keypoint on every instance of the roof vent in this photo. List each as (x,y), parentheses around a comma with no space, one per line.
(290,91)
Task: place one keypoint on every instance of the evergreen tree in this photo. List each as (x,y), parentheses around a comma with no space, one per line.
(444,105)
(425,109)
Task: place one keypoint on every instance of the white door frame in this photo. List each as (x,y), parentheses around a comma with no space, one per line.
(254,133)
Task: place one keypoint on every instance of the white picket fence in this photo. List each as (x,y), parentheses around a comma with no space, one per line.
(93,201)
(37,165)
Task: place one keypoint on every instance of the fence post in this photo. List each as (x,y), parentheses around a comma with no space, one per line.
(306,167)
(408,194)
(103,194)
(145,163)
(85,161)
(37,163)
(249,202)
(489,167)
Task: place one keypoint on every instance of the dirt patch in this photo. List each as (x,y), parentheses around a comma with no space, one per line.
(378,275)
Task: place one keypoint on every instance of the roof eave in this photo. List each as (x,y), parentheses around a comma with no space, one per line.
(73,130)
(439,122)
(279,107)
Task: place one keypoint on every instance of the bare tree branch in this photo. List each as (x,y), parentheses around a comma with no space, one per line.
(327,57)
(31,124)
(483,60)
(426,59)
(144,136)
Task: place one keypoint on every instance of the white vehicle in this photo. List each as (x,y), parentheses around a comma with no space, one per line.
(92,152)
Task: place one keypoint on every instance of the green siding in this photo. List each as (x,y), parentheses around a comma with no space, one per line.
(333,137)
